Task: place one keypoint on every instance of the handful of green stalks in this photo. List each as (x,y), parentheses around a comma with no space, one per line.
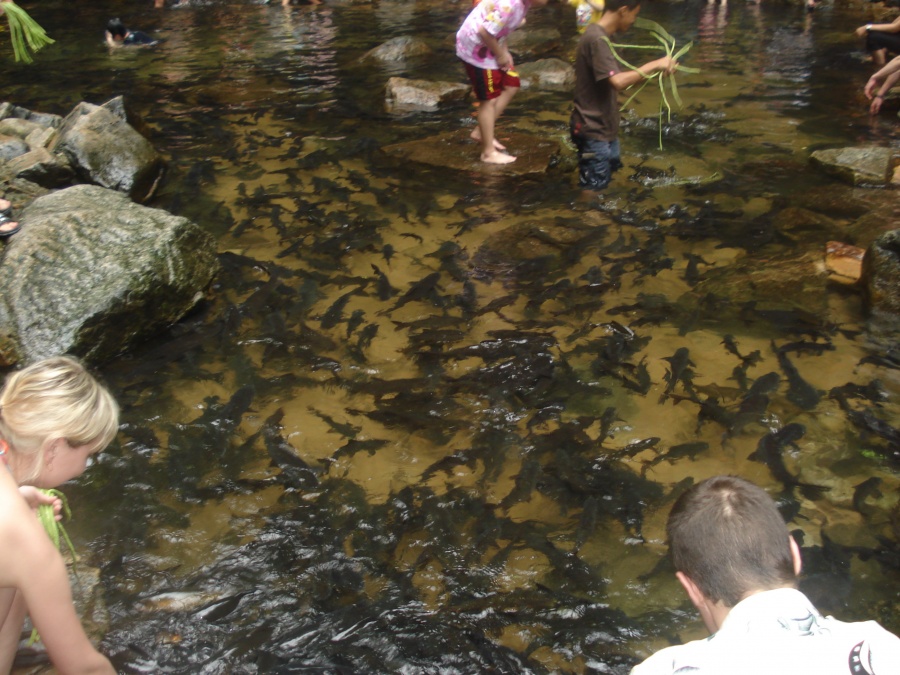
(57,533)
(668,44)
(24,32)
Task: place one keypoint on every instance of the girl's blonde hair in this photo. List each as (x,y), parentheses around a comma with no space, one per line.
(55,398)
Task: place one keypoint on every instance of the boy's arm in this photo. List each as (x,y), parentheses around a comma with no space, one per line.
(42,579)
(498,49)
(627,78)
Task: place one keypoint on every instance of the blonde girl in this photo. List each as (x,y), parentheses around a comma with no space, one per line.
(53,416)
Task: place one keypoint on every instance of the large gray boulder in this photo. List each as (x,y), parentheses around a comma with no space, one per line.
(104,149)
(92,273)
(857,166)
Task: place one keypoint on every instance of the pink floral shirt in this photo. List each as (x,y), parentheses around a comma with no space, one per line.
(499,18)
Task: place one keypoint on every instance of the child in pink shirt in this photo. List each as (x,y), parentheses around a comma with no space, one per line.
(481,44)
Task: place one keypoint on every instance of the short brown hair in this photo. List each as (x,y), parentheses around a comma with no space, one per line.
(727,535)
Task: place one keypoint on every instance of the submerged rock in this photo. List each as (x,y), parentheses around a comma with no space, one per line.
(857,166)
(456,150)
(398,49)
(551,74)
(92,273)
(406,95)
(881,276)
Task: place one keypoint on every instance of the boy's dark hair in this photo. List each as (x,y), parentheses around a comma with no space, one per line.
(728,536)
(613,5)
(116,28)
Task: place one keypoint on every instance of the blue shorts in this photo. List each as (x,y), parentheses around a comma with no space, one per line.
(597,160)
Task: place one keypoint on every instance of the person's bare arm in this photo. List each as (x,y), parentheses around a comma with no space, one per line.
(628,78)
(41,577)
(498,49)
(892,27)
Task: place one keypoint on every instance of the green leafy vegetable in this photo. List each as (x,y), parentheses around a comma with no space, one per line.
(55,531)
(668,44)
(25,33)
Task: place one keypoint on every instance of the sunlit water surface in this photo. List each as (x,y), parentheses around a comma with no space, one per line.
(332,467)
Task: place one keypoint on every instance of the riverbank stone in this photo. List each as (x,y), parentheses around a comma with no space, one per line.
(856,166)
(549,74)
(398,49)
(404,94)
(881,277)
(92,273)
(104,149)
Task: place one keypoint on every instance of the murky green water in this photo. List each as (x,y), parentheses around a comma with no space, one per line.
(387,445)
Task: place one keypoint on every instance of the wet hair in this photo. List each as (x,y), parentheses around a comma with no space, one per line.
(613,5)
(728,536)
(116,28)
(55,398)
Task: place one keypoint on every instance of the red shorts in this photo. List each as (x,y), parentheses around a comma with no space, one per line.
(488,83)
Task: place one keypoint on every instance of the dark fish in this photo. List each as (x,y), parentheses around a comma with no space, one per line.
(354,445)
(749,360)
(497,304)
(387,252)
(587,522)
(335,313)
(285,456)
(345,429)
(218,610)
(679,371)
(355,321)
(412,235)
(770,451)
(467,300)
(635,447)
(873,392)
(676,452)
(691,272)
(606,421)
(765,384)
(383,285)
(868,488)
(526,482)
(800,392)
(807,347)
(890,359)
(424,289)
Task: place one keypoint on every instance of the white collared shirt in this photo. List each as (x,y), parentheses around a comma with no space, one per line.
(779,632)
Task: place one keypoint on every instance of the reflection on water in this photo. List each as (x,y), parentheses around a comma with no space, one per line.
(432,421)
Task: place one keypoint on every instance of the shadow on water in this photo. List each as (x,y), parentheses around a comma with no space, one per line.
(432,420)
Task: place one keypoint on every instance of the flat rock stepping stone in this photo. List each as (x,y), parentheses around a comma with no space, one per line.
(456,150)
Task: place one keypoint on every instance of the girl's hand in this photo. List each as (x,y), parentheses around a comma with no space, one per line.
(34,498)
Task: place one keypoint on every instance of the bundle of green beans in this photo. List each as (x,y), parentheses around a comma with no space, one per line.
(24,31)
(56,532)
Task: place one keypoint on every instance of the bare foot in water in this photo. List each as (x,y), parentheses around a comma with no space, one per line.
(497,157)
(476,136)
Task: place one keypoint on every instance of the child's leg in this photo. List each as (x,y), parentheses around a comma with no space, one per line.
(488,113)
(12,616)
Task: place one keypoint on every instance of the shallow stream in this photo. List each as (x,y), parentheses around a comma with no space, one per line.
(432,421)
